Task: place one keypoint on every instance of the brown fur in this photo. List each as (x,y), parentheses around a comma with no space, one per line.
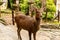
(28,23)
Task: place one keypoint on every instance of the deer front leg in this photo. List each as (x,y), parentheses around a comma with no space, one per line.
(34,35)
(29,35)
(19,36)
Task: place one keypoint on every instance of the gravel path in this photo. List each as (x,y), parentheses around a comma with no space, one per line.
(9,33)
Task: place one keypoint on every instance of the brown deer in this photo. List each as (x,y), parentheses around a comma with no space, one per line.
(28,23)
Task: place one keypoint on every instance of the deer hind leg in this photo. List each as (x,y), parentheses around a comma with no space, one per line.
(34,35)
(19,36)
(29,35)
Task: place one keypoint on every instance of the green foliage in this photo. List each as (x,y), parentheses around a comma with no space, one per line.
(24,6)
(50,6)
(43,15)
(51,9)
(38,3)
(50,15)
(10,4)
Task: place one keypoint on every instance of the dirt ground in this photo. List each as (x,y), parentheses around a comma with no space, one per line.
(10,32)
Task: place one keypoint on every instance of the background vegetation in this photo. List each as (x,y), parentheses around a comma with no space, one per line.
(50,7)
